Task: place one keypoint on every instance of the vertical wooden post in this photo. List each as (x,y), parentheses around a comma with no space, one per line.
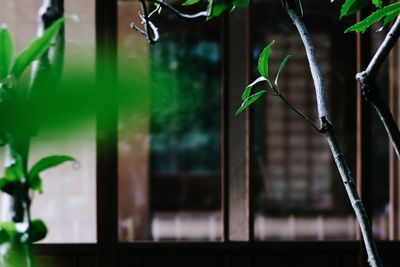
(107,174)
(237,134)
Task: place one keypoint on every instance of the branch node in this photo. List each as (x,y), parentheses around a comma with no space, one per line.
(326,126)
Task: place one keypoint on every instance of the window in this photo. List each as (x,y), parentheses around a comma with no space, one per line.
(178,165)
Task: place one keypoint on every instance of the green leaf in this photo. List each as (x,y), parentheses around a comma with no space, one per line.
(15,172)
(4,237)
(263,60)
(390,12)
(7,186)
(216,8)
(6,51)
(241,3)
(36,48)
(9,227)
(7,231)
(49,162)
(247,90)
(352,6)
(389,18)
(251,99)
(190,2)
(44,164)
(36,184)
(37,230)
(282,66)
(377,3)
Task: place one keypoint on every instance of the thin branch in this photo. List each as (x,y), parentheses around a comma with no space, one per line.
(277,92)
(371,90)
(383,50)
(150,30)
(179,13)
(307,119)
(327,129)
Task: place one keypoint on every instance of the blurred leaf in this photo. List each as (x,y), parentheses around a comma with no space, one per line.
(388,12)
(352,6)
(241,3)
(7,186)
(251,99)
(190,2)
(247,90)
(377,3)
(36,48)
(49,162)
(37,230)
(36,184)
(281,67)
(44,164)
(14,172)
(7,231)
(6,51)
(4,237)
(263,60)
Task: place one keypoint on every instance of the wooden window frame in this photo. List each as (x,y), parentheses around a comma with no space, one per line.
(236,159)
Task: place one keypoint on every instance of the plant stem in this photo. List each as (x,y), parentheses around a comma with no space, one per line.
(307,119)
(369,242)
(370,89)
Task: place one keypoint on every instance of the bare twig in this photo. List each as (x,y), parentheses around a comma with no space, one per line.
(150,30)
(327,129)
(179,13)
(371,90)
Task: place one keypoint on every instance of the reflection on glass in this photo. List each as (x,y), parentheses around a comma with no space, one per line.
(169,146)
(299,195)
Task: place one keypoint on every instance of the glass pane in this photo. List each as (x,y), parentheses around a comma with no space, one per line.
(169,145)
(68,204)
(299,193)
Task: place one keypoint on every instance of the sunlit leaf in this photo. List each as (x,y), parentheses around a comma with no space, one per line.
(251,99)
(36,48)
(37,230)
(247,90)
(377,3)
(6,51)
(281,67)
(263,60)
(190,2)
(389,18)
(352,6)
(388,12)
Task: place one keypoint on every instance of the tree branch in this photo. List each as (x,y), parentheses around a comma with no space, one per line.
(373,257)
(150,30)
(178,13)
(383,51)
(371,90)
